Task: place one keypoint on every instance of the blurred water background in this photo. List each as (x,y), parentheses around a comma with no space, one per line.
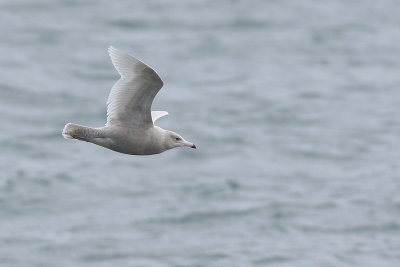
(294,107)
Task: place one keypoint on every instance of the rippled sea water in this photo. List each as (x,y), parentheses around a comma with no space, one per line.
(294,107)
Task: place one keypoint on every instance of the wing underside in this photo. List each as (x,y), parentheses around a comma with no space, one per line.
(130,99)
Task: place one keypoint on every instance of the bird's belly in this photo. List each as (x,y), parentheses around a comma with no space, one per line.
(133,145)
(133,149)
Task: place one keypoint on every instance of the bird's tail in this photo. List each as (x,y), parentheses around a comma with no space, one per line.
(76,131)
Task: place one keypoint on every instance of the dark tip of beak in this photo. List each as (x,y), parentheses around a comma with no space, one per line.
(194,146)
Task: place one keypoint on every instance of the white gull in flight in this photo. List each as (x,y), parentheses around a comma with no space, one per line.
(130,125)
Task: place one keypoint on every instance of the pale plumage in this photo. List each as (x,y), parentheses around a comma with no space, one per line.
(130,122)
(130,99)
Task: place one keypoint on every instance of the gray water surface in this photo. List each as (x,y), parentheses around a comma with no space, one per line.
(294,107)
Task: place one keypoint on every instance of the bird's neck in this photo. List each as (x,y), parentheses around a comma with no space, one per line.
(164,138)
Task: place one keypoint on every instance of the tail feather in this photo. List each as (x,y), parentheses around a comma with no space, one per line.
(79,132)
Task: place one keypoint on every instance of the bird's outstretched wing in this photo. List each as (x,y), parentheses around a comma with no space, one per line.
(130,99)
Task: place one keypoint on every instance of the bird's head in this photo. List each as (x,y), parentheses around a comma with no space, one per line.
(175,140)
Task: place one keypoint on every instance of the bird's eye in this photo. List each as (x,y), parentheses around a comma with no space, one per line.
(177,138)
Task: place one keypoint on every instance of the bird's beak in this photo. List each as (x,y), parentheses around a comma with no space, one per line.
(188,144)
